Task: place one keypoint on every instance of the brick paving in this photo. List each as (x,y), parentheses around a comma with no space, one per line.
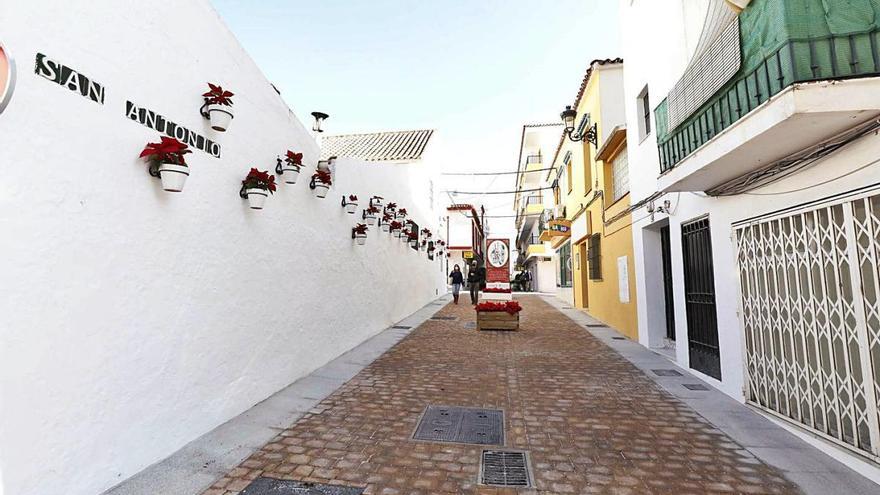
(592,422)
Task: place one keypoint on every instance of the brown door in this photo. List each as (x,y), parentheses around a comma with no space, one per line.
(584,301)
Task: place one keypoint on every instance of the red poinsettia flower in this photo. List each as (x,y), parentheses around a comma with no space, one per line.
(218,96)
(510,307)
(401,211)
(352,198)
(391,206)
(294,158)
(412,236)
(372,209)
(259,180)
(360,228)
(323,177)
(388,217)
(168,150)
(396,225)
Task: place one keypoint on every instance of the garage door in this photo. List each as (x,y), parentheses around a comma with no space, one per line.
(811,317)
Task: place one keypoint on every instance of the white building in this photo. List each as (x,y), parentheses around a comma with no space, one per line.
(534,203)
(466,235)
(758,244)
(134,319)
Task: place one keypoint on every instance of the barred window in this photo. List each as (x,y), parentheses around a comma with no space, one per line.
(594,257)
(619,176)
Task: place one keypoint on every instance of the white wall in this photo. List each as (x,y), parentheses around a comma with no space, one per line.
(461,229)
(659,64)
(135,320)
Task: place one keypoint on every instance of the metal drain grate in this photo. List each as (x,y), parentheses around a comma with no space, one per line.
(444,318)
(272,486)
(567,307)
(666,373)
(401,327)
(505,468)
(595,325)
(618,338)
(461,425)
(694,386)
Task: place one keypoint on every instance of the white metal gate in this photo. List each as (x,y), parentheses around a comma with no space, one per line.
(811,317)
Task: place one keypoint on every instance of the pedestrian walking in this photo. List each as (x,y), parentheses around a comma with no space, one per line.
(476,280)
(457,281)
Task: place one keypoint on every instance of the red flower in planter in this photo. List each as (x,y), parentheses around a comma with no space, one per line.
(372,210)
(395,225)
(412,236)
(509,307)
(388,217)
(323,177)
(391,206)
(426,232)
(401,211)
(352,198)
(294,158)
(218,96)
(169,150)
(360,229)
(259,180)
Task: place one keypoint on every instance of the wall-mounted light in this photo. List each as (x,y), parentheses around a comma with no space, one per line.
(591,135)
(320,117)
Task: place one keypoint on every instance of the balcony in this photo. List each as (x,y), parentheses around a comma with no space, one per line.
(535,247)
(530,176)
(804,92)
(534,205)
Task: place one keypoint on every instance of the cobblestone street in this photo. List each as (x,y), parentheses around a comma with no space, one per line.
(591,421)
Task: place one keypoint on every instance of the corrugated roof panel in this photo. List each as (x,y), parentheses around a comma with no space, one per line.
(378,146)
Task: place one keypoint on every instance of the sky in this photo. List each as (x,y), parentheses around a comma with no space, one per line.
(473,70)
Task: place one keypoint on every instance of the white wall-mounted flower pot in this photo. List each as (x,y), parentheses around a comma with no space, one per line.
(290,173)
(370,219)
(321,190)
(399,216)
(413,243)
(350,208)
(361,239)
(423,248)
(256,197)
(376,202)
(395,232)
(173,176)
(386,227)
(220,117)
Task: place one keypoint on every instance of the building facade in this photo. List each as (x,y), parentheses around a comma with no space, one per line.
(466,240)
(591,190)
(533,203)
(752,150)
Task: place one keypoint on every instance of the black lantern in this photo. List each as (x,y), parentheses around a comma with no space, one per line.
(319,119)
(568,116)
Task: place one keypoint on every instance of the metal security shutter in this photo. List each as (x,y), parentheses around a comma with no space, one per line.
(811,317)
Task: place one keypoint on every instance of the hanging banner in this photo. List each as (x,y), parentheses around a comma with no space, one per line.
(498,266)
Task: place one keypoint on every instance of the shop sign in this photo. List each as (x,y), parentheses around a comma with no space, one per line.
(468,255)
(498,263)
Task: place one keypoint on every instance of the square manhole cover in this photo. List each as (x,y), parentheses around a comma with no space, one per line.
(401,327)
(695,386)
(272,486)
(461,425)
(666,373)
(505,468)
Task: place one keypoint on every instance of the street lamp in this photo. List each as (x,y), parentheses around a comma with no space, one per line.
(591,135)
(319,119)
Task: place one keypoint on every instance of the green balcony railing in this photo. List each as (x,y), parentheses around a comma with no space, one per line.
(796,61)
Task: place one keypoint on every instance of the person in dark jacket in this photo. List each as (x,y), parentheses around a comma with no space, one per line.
(457,281)
(476,281)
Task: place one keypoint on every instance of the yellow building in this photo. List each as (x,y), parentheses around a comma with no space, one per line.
(591,232)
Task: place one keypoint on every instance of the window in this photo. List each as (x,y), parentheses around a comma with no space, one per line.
(644,108)
(594,257)
(588,167)
(564,275)
(582,126)
(567,162)
(619,176)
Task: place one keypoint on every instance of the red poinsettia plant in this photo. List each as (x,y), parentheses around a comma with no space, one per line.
(509,307)
(395,225)
(169,150)
(352,198)
(388,218)
(218,96)
(294,158)
(426,233)
(323,177)
(412,236)
(360,229)
(371,210)
(259,180)
(401,211)
(391,206)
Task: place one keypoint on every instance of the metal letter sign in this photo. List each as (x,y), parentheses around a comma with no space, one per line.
(498,264)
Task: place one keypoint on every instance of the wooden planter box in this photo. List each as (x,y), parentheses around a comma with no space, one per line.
(497,320)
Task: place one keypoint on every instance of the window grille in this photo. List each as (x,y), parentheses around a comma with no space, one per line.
(594,257)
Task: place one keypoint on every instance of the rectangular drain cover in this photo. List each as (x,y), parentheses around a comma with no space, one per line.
(401,327)
(505,468)
(666,373)
(443,317)
(461,425)
(272,486)
(619,338)
(695,386)
(595,325)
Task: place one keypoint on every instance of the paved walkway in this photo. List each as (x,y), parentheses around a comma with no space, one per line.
(591,421)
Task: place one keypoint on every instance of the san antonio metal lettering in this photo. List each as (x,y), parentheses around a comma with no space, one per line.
(155,121)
